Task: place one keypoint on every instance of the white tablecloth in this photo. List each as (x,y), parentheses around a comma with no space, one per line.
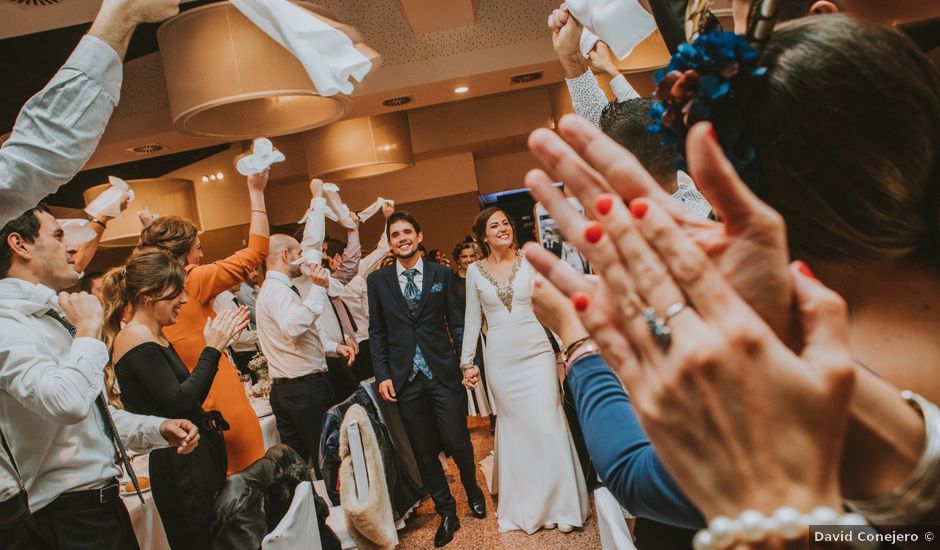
(146,519)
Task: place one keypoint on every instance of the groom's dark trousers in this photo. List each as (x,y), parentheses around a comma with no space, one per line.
(433,410)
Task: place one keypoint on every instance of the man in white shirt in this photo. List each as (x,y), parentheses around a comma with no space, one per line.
(245,345)
(52,411)
(59,128)
(300,392)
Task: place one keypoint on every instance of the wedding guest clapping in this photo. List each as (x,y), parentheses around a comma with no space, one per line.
(180,239)
(154,380)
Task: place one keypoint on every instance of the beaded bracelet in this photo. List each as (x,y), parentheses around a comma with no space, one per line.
(752,526)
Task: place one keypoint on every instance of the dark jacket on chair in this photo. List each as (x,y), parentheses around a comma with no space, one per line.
(253,501)
(395,332)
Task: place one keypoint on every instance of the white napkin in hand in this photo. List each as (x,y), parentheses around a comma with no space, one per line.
(372,209)
(263,155)
(327,54)
(109,202)
(622,24)
(77,231)
(339,211)
(312,257)
(588,40)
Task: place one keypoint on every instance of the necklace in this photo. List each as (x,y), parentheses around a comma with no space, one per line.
(503,291)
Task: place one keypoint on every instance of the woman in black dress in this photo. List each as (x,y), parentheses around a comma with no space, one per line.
(154,381)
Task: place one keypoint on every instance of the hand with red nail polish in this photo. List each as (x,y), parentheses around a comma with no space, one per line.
(639,207)
(594,232)
(604,203)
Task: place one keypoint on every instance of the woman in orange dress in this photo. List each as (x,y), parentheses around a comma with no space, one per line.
(243,442)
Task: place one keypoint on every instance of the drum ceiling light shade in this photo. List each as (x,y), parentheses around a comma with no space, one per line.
(164,196)
(649,54)
(359,147)
(227,79)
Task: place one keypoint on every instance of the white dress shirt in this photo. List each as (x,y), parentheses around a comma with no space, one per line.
(48,386)
(58,129)
(418,278)
(248,339)
(287,327)
(355,293)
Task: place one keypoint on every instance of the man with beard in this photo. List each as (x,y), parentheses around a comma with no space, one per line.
(415,313)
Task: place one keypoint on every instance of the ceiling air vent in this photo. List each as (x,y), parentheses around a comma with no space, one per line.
(36,2)
(398,101)
(525,78)
(146,149)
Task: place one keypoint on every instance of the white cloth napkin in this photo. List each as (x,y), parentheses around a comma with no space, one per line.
(263,155)
(109,202)
(312,257)
(338,211)
(327,54)
(622,24)
(372,209)
(77,231)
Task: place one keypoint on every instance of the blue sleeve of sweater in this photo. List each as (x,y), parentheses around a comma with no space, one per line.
(620,450)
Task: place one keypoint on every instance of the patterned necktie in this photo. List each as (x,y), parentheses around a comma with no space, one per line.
(413,297)
(109,426)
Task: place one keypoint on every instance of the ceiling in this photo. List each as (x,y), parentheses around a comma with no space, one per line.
(426,53)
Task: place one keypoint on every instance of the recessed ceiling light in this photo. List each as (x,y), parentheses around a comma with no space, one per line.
(461,90)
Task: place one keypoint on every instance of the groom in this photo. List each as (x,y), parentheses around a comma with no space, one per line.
(415,316)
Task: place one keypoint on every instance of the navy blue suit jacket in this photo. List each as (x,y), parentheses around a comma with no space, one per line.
(437,326)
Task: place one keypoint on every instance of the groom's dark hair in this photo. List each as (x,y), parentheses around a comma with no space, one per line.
(401,216)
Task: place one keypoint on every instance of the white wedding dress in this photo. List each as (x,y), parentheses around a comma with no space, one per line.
(538,475)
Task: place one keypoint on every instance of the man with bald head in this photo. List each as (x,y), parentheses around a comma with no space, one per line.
(300,392)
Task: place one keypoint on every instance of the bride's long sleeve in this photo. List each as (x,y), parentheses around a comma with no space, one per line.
(472,319)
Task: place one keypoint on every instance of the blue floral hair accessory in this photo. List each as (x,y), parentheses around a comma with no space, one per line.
(709,79)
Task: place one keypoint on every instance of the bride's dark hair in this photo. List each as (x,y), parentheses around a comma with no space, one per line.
(479,228)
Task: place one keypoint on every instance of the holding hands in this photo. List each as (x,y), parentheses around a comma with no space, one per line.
(225,326)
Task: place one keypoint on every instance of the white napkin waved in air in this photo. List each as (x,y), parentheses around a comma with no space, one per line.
(622,24)
(373,208)
(262,156)
(77,231)
(327,54)
(109,202)
(338,211)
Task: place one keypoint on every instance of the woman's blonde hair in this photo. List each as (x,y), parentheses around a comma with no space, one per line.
(149,273)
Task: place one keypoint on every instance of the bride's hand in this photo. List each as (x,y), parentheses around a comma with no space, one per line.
(471,377)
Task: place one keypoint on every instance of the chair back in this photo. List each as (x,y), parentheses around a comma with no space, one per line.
(298,528)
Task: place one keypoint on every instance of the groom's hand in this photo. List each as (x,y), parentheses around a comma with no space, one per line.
(387,391)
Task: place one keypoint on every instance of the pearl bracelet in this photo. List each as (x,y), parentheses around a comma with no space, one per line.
(752,526)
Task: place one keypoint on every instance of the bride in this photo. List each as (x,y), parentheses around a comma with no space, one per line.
(538,475)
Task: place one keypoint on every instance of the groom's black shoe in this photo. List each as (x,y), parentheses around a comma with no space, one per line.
(477,504)
(445,533)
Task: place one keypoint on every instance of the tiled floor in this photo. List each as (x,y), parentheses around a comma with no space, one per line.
(484,534)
